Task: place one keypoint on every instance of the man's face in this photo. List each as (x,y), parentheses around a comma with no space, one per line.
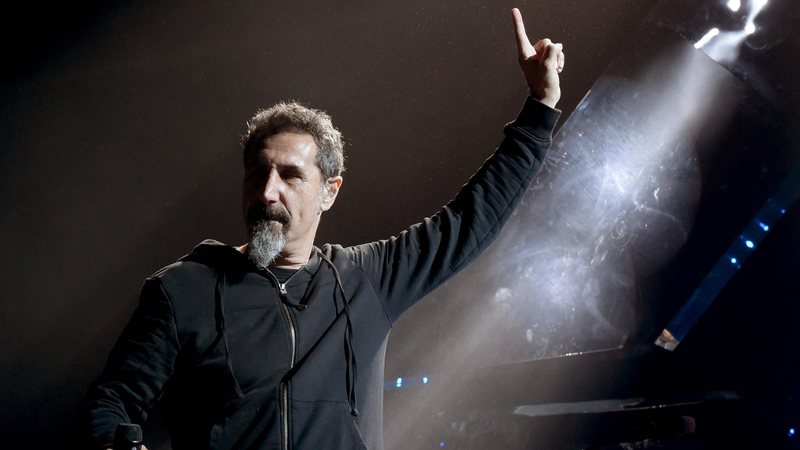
(283,192)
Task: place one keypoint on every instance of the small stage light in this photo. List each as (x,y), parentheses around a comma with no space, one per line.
(706,38)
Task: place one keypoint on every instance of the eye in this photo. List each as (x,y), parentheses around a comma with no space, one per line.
(292,176)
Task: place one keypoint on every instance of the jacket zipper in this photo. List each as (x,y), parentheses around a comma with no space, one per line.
(285,384)
(283,293)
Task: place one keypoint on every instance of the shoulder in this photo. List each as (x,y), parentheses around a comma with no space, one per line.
(345,258)
(196,274)
(182,272)
(354,255)
(334,251)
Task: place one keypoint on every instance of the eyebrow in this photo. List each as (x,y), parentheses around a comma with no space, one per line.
(293,169)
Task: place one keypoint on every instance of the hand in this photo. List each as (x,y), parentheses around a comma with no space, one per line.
(541,63)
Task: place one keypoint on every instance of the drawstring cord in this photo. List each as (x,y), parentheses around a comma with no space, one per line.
(350,356)
(218,292)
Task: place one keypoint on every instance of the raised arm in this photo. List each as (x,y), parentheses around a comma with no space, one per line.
(406,267)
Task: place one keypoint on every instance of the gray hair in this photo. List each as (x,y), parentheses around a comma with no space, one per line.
(293,117)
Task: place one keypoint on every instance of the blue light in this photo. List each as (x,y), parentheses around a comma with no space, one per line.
(399,381)
(749,243)
(792,432)
(424,380)
(734,260)
(441,444)
(783,211)
(763,226)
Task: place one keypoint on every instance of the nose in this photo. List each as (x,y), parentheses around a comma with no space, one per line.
(272,187)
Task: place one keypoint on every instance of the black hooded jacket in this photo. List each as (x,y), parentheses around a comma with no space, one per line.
(242,361)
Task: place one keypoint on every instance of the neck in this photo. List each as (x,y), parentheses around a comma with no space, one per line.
(286,260)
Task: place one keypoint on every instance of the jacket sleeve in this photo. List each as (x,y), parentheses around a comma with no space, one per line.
(138,367)
(406,267)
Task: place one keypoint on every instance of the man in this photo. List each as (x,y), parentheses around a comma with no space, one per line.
(280,344)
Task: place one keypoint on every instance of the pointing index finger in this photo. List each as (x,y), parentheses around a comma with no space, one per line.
(524,46)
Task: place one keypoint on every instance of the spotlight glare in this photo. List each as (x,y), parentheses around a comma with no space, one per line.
(424,380)
(734,260)
(750,28)
(749,243)
(706,38)
(734,5)
(792,432)
(763,226)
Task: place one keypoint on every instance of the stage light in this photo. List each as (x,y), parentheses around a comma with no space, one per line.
(763,226)
(723,47)
(734,260)
(734,5)
(749,243)
(402,383)
(706,38)
(792,432)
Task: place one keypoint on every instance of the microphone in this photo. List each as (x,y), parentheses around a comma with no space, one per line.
(128,436)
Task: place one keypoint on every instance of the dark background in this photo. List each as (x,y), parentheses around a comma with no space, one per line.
(119,130)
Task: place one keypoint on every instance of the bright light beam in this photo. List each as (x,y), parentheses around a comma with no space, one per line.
(723,46)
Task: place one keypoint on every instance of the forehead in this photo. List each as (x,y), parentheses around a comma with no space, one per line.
(287,149)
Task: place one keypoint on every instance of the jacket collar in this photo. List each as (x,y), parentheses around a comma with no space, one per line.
(217,254)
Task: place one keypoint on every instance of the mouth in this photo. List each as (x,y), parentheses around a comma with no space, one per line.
(259,213)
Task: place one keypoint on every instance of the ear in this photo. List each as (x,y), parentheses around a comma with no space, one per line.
(332,186)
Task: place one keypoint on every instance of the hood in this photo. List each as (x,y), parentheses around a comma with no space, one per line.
(216,254)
